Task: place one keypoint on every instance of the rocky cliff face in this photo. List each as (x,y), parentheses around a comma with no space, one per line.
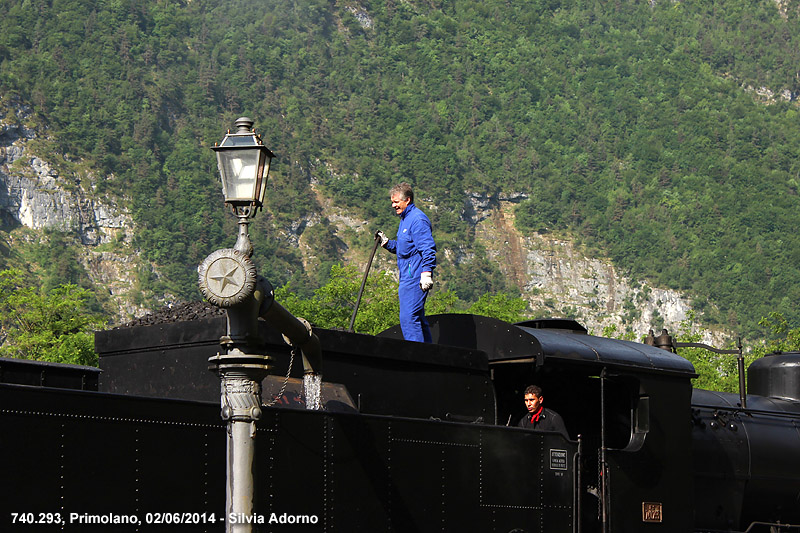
(556,278)
(34,195)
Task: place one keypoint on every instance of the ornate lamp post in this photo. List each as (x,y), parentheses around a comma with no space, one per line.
(228,279)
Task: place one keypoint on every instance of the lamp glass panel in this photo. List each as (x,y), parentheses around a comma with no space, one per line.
(238,169)
(263,190)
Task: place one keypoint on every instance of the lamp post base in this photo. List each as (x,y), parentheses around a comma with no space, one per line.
(240,400)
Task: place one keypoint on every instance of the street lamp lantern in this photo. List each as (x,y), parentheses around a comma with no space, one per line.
(243,163)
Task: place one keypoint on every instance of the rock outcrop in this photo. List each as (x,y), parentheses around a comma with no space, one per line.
(556,278)
(34,195)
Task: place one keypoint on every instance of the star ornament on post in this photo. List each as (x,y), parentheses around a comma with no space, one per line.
(227,277)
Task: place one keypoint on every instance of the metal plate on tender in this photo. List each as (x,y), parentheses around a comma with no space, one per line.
(558,459)
(652,512)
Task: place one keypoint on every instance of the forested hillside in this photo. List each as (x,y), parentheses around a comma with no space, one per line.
(663,134)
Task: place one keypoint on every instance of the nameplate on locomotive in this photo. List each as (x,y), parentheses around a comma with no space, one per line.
(651,512)
(558,459)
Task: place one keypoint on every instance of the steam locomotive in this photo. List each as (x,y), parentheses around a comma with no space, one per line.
(412,437)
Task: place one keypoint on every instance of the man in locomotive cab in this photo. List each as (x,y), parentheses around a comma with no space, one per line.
(539,417)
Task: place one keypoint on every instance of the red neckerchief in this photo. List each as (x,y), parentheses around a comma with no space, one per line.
(535,416)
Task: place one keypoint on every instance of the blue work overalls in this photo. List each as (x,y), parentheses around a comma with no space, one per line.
(416,253)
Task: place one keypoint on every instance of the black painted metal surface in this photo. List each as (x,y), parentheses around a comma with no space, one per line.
(381,375)
(746,462)
(95,454)
(609,352)
(99,454)
(499,340)
(409,441)
(541,339)
(776,375)
(43,374)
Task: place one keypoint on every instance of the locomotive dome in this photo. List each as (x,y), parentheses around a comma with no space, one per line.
(776,375)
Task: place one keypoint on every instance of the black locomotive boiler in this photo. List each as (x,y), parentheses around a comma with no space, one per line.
(412,437)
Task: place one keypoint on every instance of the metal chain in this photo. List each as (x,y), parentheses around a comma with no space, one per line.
(293,351)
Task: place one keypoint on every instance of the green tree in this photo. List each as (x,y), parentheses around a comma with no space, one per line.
(717,372)
(54,326)
(443,301)
(612,332)
(787,340)
(331,306)
(500,306)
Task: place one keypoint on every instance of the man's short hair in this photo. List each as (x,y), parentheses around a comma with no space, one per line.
(404,189)
(536,390)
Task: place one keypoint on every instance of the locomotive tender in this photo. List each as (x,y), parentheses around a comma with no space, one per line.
(413,437)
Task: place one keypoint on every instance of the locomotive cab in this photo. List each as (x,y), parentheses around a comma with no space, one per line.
(626,403)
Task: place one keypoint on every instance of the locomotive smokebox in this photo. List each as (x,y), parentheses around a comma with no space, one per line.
(775,375)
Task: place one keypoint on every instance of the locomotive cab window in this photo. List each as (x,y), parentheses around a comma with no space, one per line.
(577,398)
(580,401)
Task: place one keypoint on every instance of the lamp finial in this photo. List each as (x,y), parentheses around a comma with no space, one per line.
(244,125)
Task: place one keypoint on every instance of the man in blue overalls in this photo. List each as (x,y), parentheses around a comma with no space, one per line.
(416,259)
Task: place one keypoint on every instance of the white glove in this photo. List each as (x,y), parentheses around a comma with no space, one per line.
(382,236)
(425,281)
